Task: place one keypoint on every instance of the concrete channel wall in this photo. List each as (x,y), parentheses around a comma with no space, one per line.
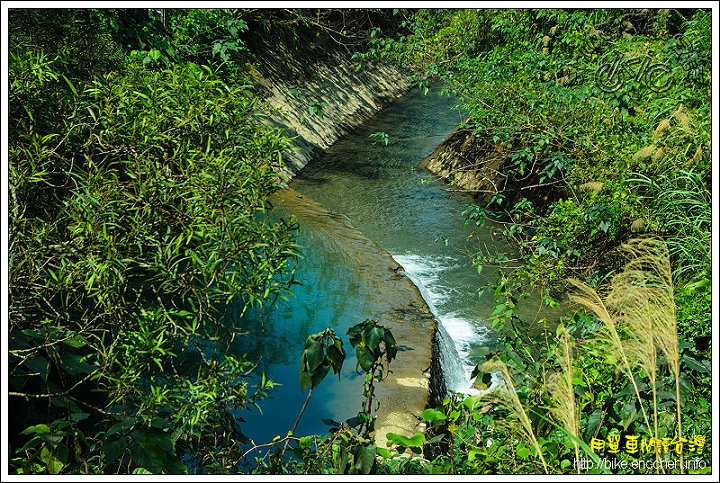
(344,97)
(415,381)
(318,105)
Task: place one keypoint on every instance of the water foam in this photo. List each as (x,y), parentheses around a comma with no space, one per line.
(456,334)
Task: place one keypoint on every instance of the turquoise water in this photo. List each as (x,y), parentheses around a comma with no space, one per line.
(408,213)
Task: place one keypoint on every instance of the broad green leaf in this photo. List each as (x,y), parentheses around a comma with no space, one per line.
(522,451)
(53,459)
(38,364)
(365,458)
(319,374)
(340,457)
(417,440)
(313,353)
(365,358)
(75,365)
(431,415)
(384,453)
(498,308)
(435,439)
(390,345)
(374,336)
(305,442)
(113,449)
(354,333)
(76,417)
(76,341)
(36,429)
(695,365)
(337,357)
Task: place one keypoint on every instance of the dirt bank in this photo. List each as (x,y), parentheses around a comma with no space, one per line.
(483,168)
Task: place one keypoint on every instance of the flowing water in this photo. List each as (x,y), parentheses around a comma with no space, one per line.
(408,213)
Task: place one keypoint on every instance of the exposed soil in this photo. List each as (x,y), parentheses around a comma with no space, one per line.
(483,169)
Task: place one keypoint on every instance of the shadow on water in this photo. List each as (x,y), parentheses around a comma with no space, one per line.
(331,294)
(409,214)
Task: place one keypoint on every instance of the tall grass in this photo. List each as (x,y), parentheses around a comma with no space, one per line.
(505,395)
(609,335)
(648,278)
(640,306)
(639,331)
(681,202)
(562,392)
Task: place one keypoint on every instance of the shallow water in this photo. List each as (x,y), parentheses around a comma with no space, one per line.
(408,213)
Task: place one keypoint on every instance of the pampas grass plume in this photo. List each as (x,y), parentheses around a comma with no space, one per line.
(505,395)
(664,124)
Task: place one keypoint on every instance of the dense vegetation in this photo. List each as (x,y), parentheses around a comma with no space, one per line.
(137,201)
(602,122)
(139,171)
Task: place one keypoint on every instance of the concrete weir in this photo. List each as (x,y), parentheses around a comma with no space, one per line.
(415,381)
(347,97)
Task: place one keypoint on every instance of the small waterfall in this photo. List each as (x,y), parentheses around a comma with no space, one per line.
(455,372)
(456,334)
(404,211)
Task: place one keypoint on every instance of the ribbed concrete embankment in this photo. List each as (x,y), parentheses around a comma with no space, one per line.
(319,101)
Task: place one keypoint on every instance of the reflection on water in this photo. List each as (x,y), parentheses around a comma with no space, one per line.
(329,295)
(408,213)
(414,217)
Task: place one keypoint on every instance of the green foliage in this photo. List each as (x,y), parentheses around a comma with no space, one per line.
(138,217)
(81,37)
(350,447)
(531,81)
(483,433)
(601,117)
(382,137)
(322,352)
(679,202)
(157,38)
(314,109)
(138,179)
(505,304)
(372,341)
(208,33)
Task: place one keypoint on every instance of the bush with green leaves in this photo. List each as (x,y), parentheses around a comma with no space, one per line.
(349,447)
(138,190)
(616,370)
(133,227)
(589,164)
(528,80)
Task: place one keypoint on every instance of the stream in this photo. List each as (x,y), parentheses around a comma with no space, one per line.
(415,218)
